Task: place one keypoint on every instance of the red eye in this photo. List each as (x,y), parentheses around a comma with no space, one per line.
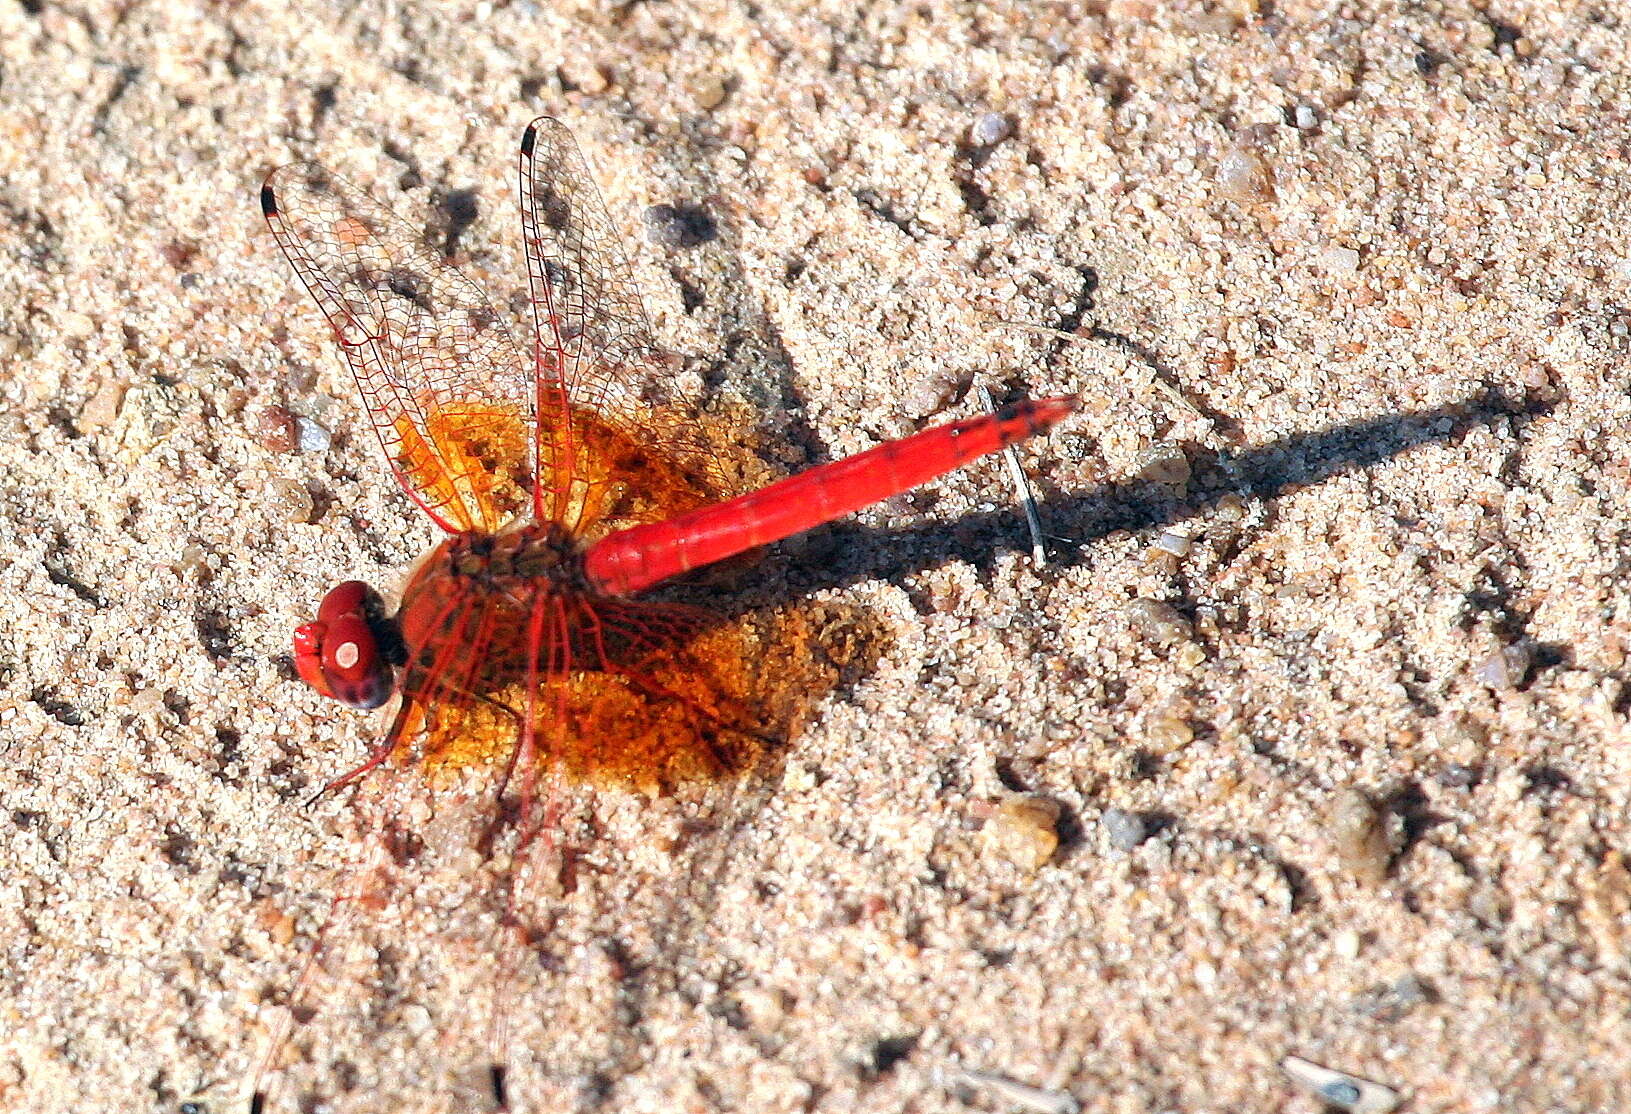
(339,654)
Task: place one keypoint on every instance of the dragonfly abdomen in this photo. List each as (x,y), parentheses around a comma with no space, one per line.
(642,556)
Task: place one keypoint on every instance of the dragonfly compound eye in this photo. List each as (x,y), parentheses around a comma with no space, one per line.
(340,654)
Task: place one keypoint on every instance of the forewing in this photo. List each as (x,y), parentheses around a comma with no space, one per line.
(594,357)
(439,374)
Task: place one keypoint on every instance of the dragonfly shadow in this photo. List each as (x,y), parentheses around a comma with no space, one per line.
(1262,472)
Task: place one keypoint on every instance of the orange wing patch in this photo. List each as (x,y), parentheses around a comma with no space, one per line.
(470,461)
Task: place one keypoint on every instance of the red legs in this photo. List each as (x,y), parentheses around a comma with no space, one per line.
(554,643)
(375,759)
(378,755)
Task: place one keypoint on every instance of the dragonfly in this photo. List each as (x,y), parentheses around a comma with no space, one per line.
(573,481)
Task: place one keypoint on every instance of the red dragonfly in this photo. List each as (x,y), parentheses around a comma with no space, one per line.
(570,483)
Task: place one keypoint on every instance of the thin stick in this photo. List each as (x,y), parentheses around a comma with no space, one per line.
(1019,1094)
(1022,488)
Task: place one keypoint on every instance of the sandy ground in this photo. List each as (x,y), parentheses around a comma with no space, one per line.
(1326,678)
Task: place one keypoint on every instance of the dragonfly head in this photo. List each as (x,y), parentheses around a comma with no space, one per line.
(346,653)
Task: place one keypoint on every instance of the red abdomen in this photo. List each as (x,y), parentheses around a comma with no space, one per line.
(642,556)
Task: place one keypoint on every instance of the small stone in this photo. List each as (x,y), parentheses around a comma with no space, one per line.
(1605,910)
(763,1008)
(1508,667)
(709,92)
(276,430)
(991,129)
(1024,829)
(1490,905)
(1340,262)
(76,326)
(1189,656)
(1125,830)
(1174,543)
(288,501)
(928,395)
(1346,944)
(191,561)
(1458,775)
(311,436)
(102,409)
(1339,1089)
(1159,621)
(1244,173)
(147,702)
(1166,734)
(1360,832)
(1389,1002)
(1163,464)
(590,78)
(799,778)
(678,226)
(1305,118)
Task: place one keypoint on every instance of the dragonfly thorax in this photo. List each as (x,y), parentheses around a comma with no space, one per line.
(529,552)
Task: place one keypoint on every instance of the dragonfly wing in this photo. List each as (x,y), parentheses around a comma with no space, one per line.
(595,361)
(439,374)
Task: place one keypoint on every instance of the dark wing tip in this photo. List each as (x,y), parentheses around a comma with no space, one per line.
(268,200)
(528,138)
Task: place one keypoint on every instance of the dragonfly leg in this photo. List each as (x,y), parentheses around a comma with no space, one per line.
(375,758)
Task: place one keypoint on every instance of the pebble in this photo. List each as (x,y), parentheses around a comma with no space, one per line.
(1159,621)
(709,92)
(1166,734)
(1339,1089)
(1340,262)
(991,129)
(1024,829)
(1389,1002)
(1459,775)
(1243,173)
(929,395)
(1360,832)
(191,561)
(1125,830)
(1346,944)
(289,501)
(1174,543)
(311,436)
(1163,464)
(102,409)
(276,430)
(76,326)
(1508,667)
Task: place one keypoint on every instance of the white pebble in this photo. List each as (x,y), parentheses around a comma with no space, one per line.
(990,129)
(1508,667)
(314,438)
(1339,262)
(1174,543)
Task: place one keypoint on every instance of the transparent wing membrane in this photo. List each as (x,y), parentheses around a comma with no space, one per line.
(597,364)
(441,379)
